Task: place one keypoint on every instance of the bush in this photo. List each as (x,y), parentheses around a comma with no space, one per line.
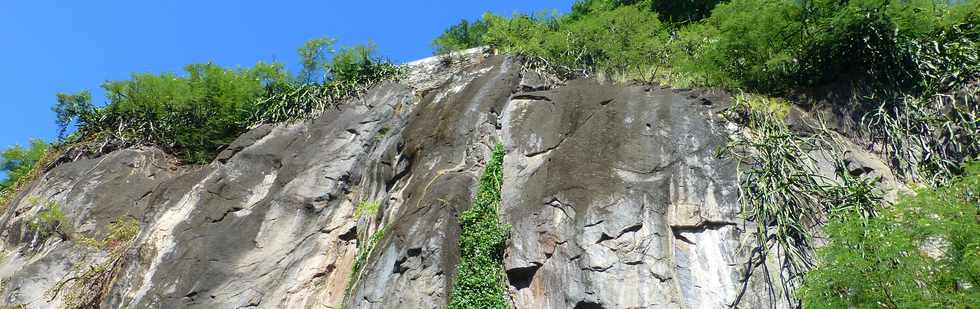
(782,190)
(463,35)
(482,239)
(350,72)
(17,162)
(768,46)
(191,115)
(779,45)
(194,114)
(670,11)
(921,253)
(623,40)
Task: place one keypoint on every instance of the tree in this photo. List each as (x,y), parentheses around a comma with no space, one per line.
(70,107)
(314,57)
(460,36)
(18,161)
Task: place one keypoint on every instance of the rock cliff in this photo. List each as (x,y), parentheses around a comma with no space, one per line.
(613,193)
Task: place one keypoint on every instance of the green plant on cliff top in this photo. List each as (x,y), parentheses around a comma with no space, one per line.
(460,36)
(22,166)
(479,280)
(349,72)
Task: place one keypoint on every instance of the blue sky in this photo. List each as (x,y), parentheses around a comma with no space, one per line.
(51,46)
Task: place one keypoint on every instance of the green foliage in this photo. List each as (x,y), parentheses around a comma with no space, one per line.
(463,35)
(23,166)
(86,286)
(479,282)
(782,190)
(18,162)
(69,107)
(926,139)
(769,46)
(50,221)
(369,208)
(195,114)
(776,46)
(314,58)
(623,40)
(363,253)
(350,72)
(191,115)
(670,11)
(921,253)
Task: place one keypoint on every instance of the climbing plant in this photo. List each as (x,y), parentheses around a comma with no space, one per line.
(479,280)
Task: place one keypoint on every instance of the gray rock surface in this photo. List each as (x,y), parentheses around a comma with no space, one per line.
(614,194)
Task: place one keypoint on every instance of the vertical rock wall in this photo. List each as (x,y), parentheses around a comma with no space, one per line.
(614,195)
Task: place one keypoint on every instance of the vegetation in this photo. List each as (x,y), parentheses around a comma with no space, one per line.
(195,114)
(777,46)
(926,139)
(782,190)
(86,286)
(369,208)
(768,46)
(191,115)
(463,35)
(363,253)
(624,40)
(18,163)
(50,221)
(348,73)
(921,253)
(479,281)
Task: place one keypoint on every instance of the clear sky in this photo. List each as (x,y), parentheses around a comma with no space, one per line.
(50,46)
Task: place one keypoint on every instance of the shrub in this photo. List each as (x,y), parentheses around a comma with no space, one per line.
(17,162)
(482,239)
(24,166)
(925,139)
(670,11)
(779,45)
(50,221)
(350,72)
(623,40)
(463,35)
(194,114)
(782,190)
(921,253)
(191,115)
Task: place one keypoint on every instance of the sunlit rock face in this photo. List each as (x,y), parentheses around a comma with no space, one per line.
(614,195)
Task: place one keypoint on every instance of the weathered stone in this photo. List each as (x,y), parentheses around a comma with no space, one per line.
(614,194)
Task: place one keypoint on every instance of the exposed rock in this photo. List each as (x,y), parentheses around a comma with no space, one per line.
(614,194)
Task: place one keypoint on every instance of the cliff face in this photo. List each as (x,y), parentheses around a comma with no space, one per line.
(614,196)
